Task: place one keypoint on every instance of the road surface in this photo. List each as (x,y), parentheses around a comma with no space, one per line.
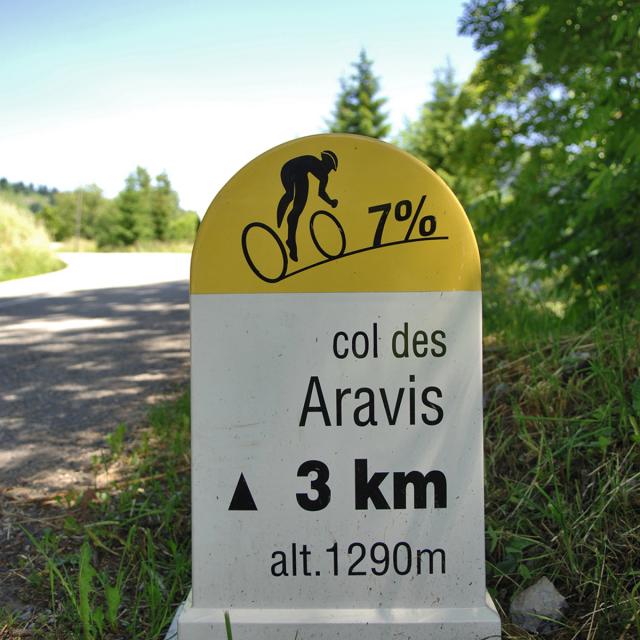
(81,350)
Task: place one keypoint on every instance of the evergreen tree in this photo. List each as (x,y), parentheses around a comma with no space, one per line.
(144,223)
(123,220)
(164,207)
(437,136)
(132,220)
(450,138)
(358,109)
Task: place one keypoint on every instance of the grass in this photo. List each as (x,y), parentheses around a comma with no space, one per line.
(77,245)
(118,563)
(562,457)
(174,246)
(227,625)
(153,246)
(24,245)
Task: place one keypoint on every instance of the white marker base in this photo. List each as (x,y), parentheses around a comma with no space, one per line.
(478,623)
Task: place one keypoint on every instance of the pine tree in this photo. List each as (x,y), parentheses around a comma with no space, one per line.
(144,222)
(447,142)
(164,206)
(439,127)
(357,109)
(124,227)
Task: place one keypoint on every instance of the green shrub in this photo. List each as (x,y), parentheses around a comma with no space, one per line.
(183,226)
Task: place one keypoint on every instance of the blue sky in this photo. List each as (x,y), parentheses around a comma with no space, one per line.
(90,90)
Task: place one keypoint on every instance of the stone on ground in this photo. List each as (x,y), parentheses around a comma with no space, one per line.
(538,608)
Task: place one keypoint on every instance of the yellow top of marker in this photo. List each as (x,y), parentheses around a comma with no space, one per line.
(335,213)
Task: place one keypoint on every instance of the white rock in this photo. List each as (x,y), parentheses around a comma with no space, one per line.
(537,608)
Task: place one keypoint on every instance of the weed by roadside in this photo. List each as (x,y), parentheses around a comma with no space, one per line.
(116,561)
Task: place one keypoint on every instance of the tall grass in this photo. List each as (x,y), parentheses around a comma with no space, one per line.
(120,563)
(562,443)
(24,244)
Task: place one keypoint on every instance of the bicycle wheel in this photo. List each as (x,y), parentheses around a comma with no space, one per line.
(254,267)
(314,237)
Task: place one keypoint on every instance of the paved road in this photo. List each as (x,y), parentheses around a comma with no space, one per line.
(81,350)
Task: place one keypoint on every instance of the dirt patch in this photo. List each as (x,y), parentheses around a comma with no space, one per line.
(17,520)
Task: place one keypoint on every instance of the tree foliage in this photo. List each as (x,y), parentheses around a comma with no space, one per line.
(542,143)
(74,212)
(559,81)
(358,109)
(142,212)
(164,206)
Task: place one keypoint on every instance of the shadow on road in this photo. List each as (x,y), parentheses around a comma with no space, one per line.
(74,366)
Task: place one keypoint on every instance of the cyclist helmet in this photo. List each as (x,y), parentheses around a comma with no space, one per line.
(332,158)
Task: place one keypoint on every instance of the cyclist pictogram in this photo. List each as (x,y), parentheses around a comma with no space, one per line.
(295,181)
(327,233)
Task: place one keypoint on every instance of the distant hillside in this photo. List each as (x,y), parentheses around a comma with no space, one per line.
(29,196)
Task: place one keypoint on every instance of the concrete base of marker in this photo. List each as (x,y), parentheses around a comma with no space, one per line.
(478,623)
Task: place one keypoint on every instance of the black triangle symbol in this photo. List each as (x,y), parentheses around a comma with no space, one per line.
(242,499)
